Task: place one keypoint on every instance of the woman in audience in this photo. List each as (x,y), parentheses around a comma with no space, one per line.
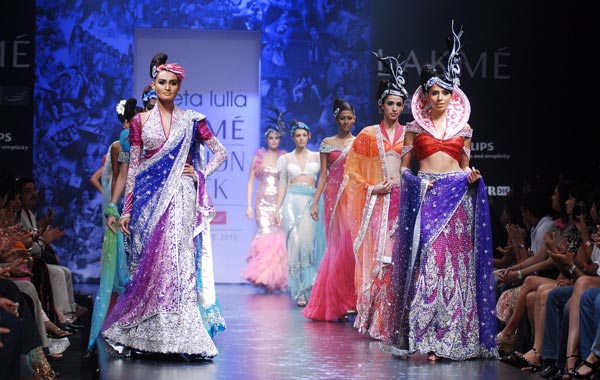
(535,289)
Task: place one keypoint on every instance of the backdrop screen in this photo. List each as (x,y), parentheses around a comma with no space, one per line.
(222,82)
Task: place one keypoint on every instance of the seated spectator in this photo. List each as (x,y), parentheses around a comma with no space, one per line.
(590,335)
(60,277)
(512,303)
(579,274)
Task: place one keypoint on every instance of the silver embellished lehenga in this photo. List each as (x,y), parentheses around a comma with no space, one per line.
(170,305)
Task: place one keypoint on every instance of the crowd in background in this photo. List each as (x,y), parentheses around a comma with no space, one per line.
(547,271)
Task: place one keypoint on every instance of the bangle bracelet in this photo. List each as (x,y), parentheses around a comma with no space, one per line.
(588,243)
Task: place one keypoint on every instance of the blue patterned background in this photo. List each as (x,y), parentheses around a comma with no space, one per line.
(312,52)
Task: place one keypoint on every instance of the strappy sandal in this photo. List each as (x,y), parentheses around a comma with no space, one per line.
(567,372)
(525,364)
(595,367)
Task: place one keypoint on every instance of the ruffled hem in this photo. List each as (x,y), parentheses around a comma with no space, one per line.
(128,351)
(267,263)
(461,353)
(333,294)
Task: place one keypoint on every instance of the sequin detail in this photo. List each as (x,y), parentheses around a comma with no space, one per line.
(267,263)
(169,306)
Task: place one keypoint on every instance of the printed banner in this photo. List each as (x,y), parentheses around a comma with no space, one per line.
(221,82)
(17,37)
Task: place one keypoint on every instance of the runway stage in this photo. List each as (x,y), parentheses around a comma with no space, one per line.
(267,338)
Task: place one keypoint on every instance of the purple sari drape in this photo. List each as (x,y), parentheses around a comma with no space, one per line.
(424,214)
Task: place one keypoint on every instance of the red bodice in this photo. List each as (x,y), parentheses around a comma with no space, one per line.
(425,145)
(332,156)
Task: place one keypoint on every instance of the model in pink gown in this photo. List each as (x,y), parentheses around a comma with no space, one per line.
(333,294)
(267,263)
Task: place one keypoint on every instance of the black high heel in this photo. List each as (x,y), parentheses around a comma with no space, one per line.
(567,371)
(595,367)
(525,364)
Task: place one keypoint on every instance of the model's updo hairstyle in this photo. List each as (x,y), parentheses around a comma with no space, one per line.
(428,72)
(130,109)
(157,60)
(383,85)
(295,124)
(340,105)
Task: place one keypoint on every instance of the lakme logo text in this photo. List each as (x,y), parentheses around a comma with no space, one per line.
(492,64)
(218,185)
(231,134)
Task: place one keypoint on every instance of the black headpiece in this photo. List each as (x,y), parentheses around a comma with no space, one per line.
(276,123)
(396,84)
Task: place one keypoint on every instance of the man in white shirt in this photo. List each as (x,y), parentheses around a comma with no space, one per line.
(60,276)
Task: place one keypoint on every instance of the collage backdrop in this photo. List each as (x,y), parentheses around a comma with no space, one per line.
(310,53)
(523,71)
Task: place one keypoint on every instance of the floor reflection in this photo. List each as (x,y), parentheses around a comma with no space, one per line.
(268,338)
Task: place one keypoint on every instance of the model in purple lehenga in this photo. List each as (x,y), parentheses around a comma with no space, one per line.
(444,290)
(443,276)
(170,305)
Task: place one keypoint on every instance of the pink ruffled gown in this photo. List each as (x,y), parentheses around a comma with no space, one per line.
(267,263)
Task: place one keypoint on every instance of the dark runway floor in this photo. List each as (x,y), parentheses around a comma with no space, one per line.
(268,338)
